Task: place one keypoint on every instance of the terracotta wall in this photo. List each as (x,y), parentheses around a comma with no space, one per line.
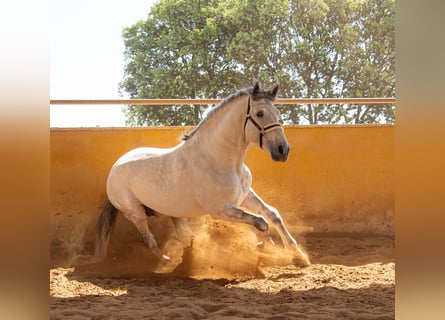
(337,178)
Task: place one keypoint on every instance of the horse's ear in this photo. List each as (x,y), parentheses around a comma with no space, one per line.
(256,87)
(275,90)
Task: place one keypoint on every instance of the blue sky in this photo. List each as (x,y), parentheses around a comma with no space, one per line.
(86,57)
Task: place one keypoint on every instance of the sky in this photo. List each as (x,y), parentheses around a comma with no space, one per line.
(86,58)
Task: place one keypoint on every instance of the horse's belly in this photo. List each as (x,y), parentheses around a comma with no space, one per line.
(184,212)
(175,204)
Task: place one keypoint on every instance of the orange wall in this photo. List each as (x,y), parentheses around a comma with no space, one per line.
(337,178)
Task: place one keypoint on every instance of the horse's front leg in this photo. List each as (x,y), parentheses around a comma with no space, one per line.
(234,214)
(255,203)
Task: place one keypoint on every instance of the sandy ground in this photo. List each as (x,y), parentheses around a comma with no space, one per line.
(351,277)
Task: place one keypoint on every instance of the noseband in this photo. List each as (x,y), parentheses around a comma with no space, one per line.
(263,130)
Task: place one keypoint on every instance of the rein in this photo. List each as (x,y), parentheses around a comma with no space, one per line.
(262,130)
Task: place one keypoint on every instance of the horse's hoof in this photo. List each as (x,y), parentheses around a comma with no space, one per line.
(268,237)
(166,258)
(303,255)
(307,262)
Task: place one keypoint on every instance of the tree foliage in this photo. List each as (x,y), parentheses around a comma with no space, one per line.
(313,48)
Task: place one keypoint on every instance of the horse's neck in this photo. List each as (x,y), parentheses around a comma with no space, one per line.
(222,139)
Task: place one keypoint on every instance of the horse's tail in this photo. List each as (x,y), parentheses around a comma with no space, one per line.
(104,226)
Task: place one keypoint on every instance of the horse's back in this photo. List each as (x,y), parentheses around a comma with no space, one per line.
(140,154)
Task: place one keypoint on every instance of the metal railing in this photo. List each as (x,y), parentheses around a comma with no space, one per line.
(357,101)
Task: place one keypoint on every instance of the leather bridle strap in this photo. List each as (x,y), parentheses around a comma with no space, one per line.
(262,130)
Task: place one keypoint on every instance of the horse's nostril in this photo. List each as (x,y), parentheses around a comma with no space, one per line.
(280,152)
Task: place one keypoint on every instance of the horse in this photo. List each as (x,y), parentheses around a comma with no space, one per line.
(204,174)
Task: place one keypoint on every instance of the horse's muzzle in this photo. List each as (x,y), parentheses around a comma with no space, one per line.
(281,152)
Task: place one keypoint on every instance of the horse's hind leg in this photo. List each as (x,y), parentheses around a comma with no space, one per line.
(183,231)
(137,215)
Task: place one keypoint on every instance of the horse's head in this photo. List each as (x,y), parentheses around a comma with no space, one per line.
(262,126)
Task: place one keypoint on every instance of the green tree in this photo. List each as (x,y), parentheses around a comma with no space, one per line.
(175,53)
(368,70)
(313,48)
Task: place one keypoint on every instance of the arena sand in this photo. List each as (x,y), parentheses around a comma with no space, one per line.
(224,274)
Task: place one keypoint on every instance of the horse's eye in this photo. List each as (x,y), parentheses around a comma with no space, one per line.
(259,114)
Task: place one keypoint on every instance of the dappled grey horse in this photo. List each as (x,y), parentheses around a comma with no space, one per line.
(204,174)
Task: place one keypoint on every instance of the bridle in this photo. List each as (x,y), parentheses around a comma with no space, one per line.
(263,130)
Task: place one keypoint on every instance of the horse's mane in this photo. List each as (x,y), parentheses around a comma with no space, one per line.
(257,95)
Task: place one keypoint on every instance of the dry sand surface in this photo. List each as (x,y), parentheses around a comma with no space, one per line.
(221,277)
